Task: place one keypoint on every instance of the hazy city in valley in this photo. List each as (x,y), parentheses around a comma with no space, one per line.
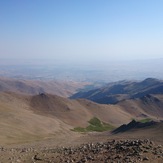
(81,81)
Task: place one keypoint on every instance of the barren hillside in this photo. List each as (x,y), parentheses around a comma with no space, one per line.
(29,118)
(33,87)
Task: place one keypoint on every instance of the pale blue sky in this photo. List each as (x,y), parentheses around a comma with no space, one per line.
(80,30)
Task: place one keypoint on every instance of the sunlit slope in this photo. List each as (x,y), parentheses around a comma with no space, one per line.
(146,106)
(19,124)
(30,118)
(77,112)
(33,87)
(26,118)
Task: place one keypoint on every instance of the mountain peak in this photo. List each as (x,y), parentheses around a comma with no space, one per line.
(150,80)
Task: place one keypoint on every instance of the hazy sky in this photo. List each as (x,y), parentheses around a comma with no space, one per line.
(81,30)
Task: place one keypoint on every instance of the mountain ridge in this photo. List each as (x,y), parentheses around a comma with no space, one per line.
(114,92)
(33,87)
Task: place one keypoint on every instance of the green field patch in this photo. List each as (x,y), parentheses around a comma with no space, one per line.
(95,125)
(145,120)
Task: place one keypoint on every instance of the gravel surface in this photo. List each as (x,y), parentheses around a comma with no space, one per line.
(113,151)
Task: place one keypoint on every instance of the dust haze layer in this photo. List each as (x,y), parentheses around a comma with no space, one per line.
(89,71)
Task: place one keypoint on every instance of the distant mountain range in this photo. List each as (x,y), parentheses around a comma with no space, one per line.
(113,93)
(34,87)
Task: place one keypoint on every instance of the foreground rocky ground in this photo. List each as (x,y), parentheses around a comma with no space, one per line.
(118,151)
